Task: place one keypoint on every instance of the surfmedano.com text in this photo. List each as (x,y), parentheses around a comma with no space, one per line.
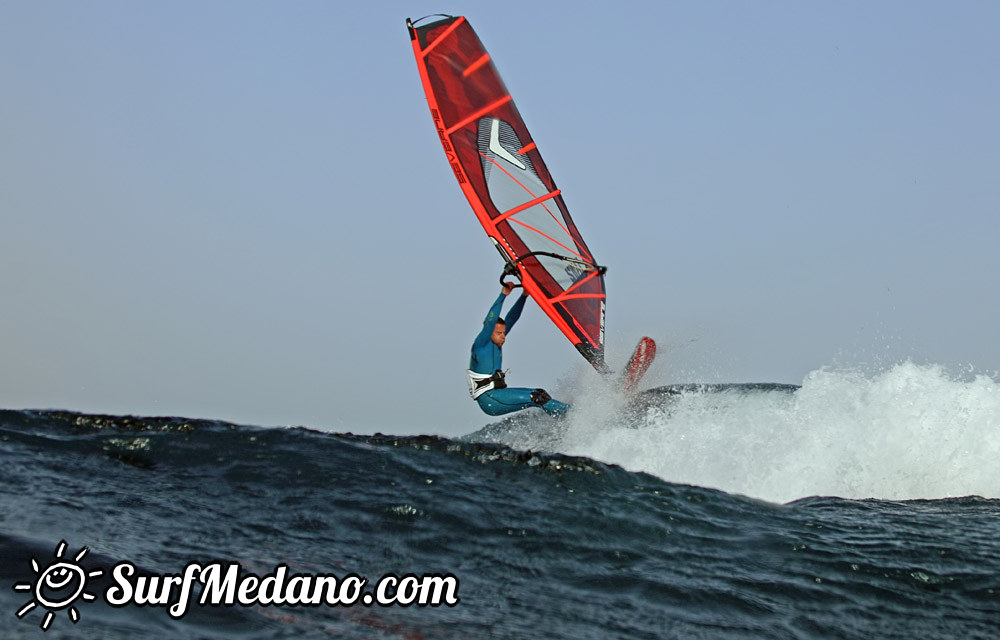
(224,585)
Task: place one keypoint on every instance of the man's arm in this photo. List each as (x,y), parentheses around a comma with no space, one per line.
(515,312)
(490,322)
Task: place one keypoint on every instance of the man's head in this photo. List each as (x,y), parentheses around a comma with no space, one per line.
(499,333)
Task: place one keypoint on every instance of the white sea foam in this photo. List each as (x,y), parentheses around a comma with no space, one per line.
(910,431)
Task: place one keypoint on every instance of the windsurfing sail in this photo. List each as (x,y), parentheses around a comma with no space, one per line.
(502,174)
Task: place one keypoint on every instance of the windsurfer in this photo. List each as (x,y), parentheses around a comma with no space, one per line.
(486,376)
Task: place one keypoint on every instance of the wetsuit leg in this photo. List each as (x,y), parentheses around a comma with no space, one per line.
(498,402)
(555,408)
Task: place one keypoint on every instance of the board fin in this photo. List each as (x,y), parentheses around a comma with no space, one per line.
(637,365)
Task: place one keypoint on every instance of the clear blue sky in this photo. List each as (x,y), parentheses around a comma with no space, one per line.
(239,210)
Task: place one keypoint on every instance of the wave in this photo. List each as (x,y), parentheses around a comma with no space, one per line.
(540,540)
(910,432)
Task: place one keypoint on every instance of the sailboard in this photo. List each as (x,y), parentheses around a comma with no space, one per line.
(637,365)
(501,171)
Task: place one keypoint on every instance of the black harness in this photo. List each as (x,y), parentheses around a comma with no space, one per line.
(497,379)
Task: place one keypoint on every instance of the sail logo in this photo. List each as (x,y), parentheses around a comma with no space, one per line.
(58,586)
(456,166)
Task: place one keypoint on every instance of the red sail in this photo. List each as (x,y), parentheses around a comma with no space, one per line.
(508,185)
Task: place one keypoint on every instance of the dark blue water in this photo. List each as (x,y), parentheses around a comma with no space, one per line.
(543,545)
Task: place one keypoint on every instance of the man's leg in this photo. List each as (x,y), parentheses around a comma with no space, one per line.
(552,407)
(502,401)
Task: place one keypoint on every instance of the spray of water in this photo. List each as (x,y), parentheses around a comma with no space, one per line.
(910,431)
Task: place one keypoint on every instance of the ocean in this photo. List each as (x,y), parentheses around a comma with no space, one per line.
(851,505)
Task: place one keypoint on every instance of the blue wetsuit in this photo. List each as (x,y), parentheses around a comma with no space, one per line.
(488,358)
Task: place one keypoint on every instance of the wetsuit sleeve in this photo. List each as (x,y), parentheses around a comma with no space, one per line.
(489,323)
(515,312)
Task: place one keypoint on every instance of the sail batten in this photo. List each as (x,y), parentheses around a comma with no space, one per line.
(518,209)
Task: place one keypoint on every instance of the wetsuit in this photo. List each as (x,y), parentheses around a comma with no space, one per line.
(486,383)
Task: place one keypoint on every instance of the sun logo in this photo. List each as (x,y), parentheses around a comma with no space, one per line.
(58,586)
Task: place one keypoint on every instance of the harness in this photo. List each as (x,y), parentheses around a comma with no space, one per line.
(480,383)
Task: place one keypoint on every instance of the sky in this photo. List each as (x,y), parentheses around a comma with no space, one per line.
(240,210)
